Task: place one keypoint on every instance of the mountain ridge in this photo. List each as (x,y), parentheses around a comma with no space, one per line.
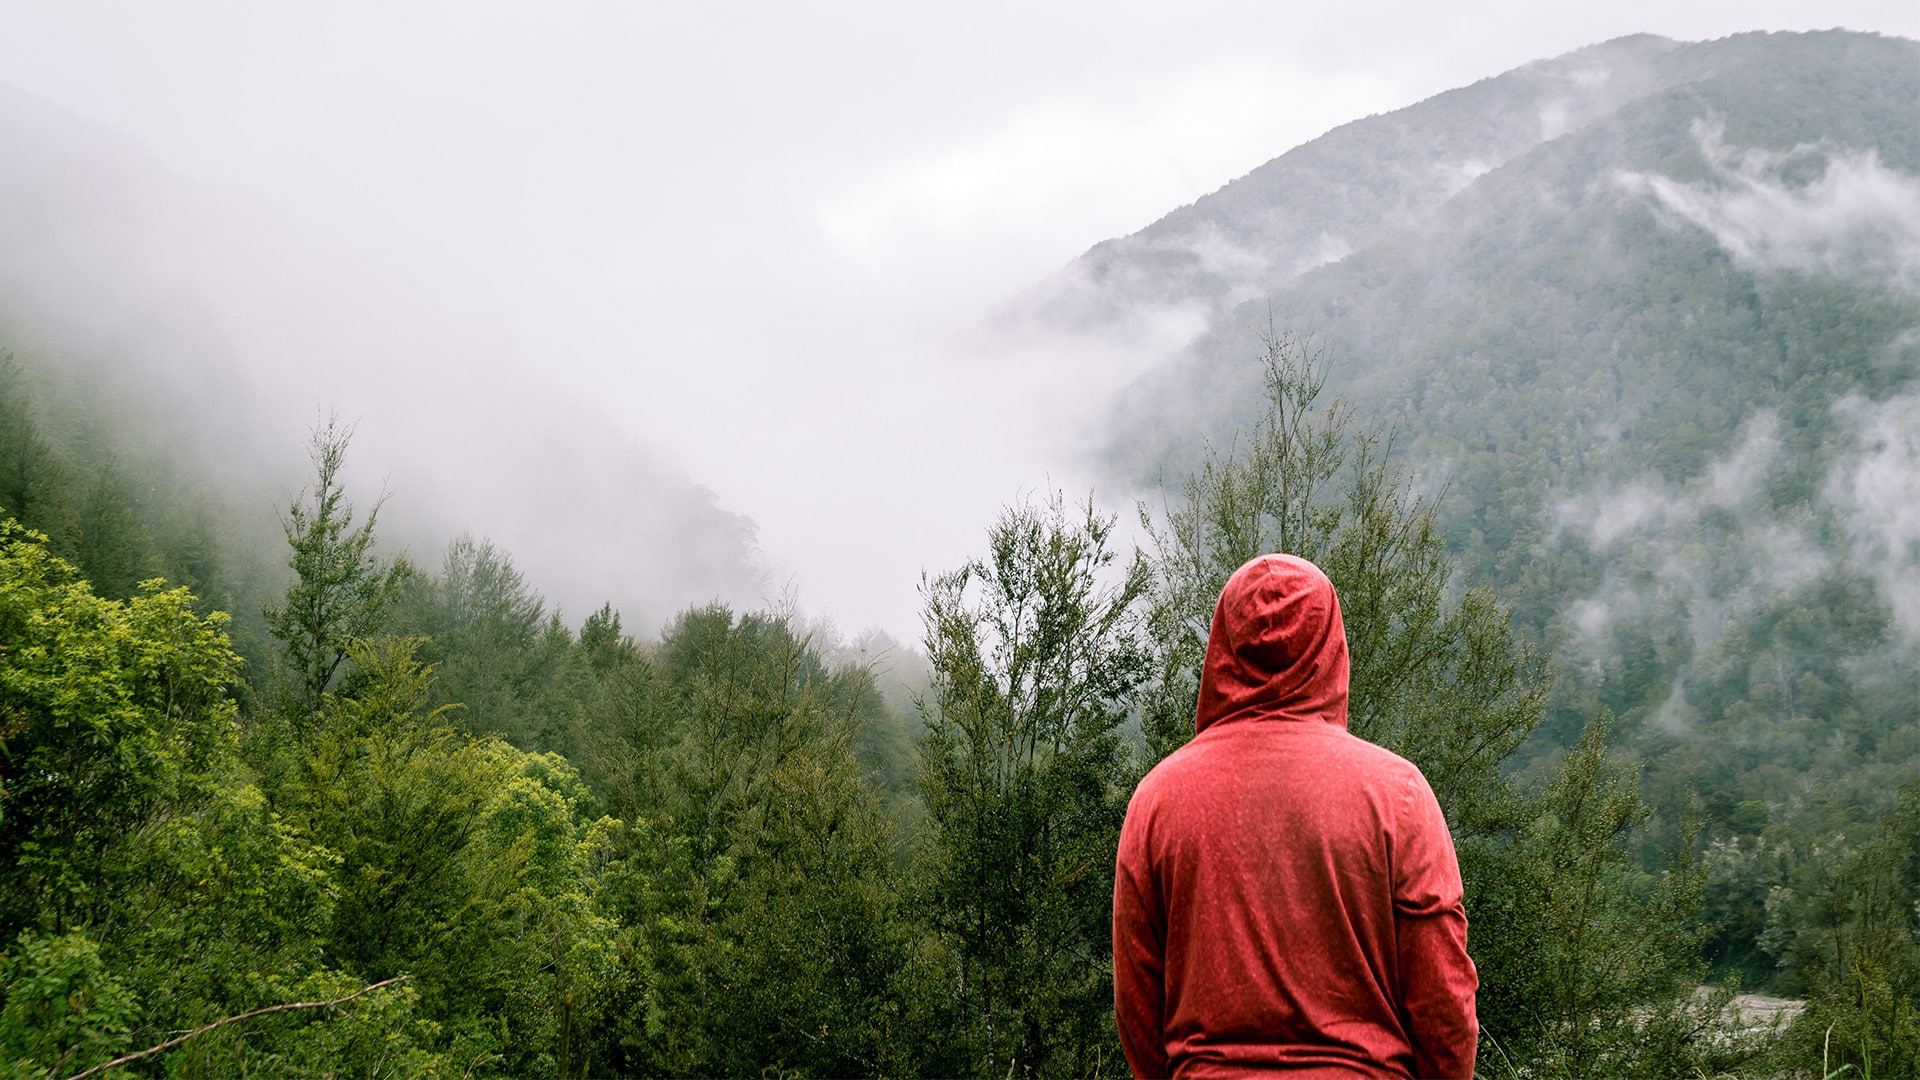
(1189,245)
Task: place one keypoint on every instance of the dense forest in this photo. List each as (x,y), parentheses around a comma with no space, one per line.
(490,842)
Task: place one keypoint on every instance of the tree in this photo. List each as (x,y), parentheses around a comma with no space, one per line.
(493,646)
(1037,650)
(103,705)
(1853,922)
(754,867)
(1444,682)
(33,484)
(145,885)
(1580,966)
(343,591)
(462,862)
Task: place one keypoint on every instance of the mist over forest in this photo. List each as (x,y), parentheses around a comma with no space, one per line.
(210,309)
(355,651)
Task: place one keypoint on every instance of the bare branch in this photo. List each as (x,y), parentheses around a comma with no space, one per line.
(222,1022)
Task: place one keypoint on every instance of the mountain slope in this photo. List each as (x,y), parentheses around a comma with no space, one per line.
(1356,184)
(1614,305)
(1661,367)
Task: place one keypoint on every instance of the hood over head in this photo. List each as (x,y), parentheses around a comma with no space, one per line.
(1277,650)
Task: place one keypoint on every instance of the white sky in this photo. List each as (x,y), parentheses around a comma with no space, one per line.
(748,232)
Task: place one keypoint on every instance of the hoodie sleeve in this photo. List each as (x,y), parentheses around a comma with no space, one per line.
(1437,977)
(1139,956)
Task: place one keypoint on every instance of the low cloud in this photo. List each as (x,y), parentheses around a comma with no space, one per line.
(1651,506)
(1856,216)
(1560,115)
(1878,493)
(1653,528)
(1452,177)
(1737,477)
(1556,119)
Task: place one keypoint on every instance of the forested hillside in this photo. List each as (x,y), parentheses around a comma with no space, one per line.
(1595,396)
(1660,360)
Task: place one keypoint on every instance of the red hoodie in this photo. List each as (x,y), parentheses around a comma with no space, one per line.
(1287,894)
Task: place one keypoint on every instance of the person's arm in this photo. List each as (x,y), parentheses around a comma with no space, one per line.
(1437,977)
(1139,958)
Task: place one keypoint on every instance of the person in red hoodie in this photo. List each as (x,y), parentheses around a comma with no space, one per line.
(1286,896)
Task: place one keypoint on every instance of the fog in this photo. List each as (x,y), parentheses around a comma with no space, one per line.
(1655,525)
(1664,563)
(557,261)
(1878,492)
(1857,216)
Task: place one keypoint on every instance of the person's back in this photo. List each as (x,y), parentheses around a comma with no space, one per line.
(1286,894)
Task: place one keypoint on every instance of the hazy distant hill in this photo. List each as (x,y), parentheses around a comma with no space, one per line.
(187,325)
(1349,189)
(1322,201)
(1651,311)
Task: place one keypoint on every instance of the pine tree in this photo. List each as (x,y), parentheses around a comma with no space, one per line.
(343,590)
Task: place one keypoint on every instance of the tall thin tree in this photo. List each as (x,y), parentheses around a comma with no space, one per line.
(342,590)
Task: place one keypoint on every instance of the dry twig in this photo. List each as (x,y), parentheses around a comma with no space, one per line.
(223,1021)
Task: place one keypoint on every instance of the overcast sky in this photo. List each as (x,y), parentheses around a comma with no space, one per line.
(749,232)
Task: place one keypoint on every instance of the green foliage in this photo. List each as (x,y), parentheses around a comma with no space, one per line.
(342,591)
(117,511)
(148,886)
(380,1034)
(1581,965)
(103,707)
(887,743)
(33,480)
(1592,966)
(235,905)
(1037,651)
(1274,497)
(461,863)
(63,1010)
(753,871)
(1797,723)
(1855,927)
(1441,681)
(181,863)
(509,664)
